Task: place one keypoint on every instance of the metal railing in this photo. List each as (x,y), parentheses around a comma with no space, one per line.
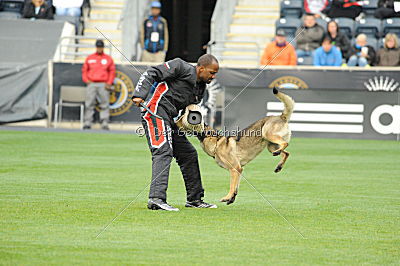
(222,18)
(68,48)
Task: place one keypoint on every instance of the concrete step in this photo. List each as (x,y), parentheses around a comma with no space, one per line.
(102,24)
(258,2)
(254,19)
(252,28)
(239,63)
(109,34)
(258,9)
(116,42)
(105,14)
(108,4)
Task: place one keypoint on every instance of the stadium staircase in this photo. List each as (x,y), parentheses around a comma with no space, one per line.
(252,27)
(105,15)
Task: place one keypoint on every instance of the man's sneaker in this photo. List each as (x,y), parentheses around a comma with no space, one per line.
(199,204)
(86,127)
(159,204)
(105,127)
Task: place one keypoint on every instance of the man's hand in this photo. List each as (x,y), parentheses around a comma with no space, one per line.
(137,101)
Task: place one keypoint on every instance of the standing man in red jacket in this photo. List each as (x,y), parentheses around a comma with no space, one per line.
(98,73)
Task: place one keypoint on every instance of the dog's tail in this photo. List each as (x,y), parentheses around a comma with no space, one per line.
(287,102)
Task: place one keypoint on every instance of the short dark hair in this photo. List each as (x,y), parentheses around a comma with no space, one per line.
(326,39)
(206,60)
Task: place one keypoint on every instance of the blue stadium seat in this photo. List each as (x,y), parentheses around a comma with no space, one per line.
(369,26)
(289,25)
(9,15)
(369,7)
(346,26)
(305,61)
(381,43)
(391,25)
(291,8)
(12,5)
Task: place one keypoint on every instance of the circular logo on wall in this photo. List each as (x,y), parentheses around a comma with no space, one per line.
(120,97)
(288,82)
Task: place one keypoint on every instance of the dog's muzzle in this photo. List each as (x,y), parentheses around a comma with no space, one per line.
(191,120)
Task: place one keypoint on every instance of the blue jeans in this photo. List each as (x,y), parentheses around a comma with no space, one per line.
(355,60)
(72,11)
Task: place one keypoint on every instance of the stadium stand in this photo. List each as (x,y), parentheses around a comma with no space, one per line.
(289,25)
(391,25)
(369,7)
(240,31)
(291,8)
(371,27)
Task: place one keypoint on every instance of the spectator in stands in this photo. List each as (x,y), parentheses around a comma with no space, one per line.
(338,39)
(315,7)
(279,52)
(344,8)
(327,54)
(154,36)
(389,55)
(38,9)
(386,10)
(309,36)
(98,72)
(362,54)
(68,8)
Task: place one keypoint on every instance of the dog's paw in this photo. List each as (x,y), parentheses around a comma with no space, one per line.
(225,199)
(278,169)
(276,153)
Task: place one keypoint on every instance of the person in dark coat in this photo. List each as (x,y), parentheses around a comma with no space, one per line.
(38,9)
(344,8)
(386,9)
(338,39)
(362,54)
(389,55)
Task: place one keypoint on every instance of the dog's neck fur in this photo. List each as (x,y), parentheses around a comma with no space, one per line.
(208,132)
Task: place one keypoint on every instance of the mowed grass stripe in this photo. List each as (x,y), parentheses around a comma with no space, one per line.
(58,190)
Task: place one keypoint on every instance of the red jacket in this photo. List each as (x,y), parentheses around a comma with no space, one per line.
(98,68)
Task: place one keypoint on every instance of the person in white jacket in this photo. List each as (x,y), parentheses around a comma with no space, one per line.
(68,7)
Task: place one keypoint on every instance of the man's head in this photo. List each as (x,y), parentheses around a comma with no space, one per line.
(309,20)
(327,44)
(37,2)
(361,40)
(280,37)
(155,8)
(99,46)
(207,68)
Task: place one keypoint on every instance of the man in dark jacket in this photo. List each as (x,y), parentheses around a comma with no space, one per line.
(344,8)
(178,84)
(309,36)
(37,9)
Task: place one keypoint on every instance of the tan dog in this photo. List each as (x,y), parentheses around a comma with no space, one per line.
(233,153)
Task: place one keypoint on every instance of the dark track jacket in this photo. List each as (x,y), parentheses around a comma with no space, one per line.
(178,88)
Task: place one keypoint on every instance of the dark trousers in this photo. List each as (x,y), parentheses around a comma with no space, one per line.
(384,12)
(349,12)
(165,142)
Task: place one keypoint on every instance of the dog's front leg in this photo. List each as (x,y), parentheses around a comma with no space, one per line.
(235,179)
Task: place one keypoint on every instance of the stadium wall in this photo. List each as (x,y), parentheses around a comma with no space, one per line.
(331,102)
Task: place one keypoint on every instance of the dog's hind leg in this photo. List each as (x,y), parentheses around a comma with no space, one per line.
(273,147)
(280,142)
(234,186)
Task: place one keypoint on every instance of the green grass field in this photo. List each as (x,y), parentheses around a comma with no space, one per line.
(59,190)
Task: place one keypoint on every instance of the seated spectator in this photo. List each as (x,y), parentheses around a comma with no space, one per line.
(68,8)
(362,54)
(309,36)
(279,52)
(327,54)
(338,39)
(344,8)
(37,9)
(389,55)
(315,7)
(386,10)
